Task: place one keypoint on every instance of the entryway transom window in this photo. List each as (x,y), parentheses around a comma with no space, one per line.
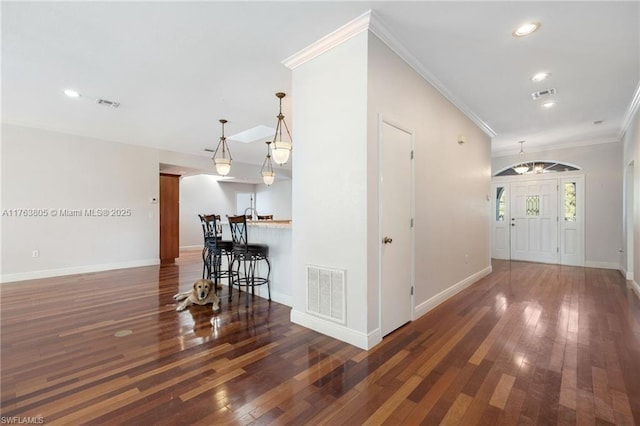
(538,167)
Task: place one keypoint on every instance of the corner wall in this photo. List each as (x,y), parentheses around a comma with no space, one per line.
(64,175)
(329,183)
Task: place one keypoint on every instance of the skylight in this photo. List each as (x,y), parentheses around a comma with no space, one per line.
(258,133)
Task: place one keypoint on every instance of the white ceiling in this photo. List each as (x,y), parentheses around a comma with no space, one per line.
(177,67)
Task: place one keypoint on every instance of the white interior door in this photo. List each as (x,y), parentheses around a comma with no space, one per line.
(395,227)
(571,220)
(534,221)
(500,239)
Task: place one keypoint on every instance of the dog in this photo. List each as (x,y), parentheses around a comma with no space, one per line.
(202,293)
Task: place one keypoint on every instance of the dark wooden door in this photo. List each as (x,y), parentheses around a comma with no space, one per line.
(169,218)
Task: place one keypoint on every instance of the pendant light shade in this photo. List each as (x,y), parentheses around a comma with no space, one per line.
(281,145)
(223,166)
(522,167)
(222,156)
(268,175)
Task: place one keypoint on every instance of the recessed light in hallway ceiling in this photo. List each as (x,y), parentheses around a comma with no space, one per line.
(71,93)
(540,76)
(549,104)
(526,29)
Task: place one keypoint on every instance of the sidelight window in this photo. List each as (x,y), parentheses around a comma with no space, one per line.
(500,203)
(570,201)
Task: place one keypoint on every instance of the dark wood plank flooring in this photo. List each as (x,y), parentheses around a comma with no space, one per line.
(529,344)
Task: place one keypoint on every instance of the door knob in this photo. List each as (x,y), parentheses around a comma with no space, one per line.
(387,240)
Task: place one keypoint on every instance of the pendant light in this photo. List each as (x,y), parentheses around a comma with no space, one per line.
(222,155)
(281,147)
(521,168)
(268,175)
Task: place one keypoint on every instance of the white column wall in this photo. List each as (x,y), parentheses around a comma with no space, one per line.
(329,187)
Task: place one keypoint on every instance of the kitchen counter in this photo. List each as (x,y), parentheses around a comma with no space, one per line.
(277,235)
(270,223)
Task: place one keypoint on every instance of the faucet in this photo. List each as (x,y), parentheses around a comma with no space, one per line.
(255,212)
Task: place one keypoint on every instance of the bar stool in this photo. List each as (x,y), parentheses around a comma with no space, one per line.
(265,217)
(214,249)
(248,255)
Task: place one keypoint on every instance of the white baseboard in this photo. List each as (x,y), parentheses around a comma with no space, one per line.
(636,287)
(601,265)
(49,273)
(434,301)
(626,274)
(337,331)
(199,247)
(276,296)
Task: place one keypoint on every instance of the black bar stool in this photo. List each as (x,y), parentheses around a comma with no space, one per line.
(214,249)
(248,255)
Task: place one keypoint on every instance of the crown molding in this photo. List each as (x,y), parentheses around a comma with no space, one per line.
(382,32)
(370,21)
(544,148)
(631,112)
(328,42)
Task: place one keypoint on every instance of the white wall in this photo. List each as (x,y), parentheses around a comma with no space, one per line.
(329,206)
(274,199)
(631,144)
(335,203)
(603,196)
(451,182)
(204,194)
(51,171)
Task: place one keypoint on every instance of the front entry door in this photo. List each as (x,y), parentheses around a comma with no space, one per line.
(395,227)
(534,221)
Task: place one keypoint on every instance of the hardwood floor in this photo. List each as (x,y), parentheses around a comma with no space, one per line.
(529,344)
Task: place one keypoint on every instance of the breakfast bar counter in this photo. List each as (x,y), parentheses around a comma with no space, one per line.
(277,235)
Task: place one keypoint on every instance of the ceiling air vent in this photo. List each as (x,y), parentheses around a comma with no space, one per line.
(540,94)
(108,103)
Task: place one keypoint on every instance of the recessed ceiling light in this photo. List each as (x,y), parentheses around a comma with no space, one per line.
(526,29)
(71,93)
(541,76)
(549,104)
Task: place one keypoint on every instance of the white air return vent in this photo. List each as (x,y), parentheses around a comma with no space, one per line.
(326,293)
(543,93)
(105,102)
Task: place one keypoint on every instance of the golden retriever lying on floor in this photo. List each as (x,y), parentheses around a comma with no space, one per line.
(202,293)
